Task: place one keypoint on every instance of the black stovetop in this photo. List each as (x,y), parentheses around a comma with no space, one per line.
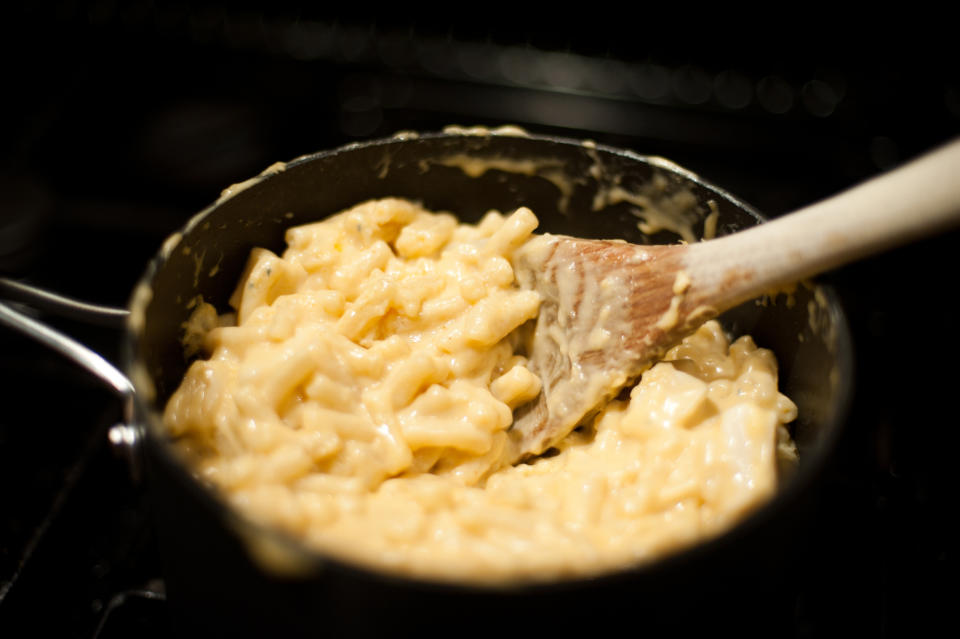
(129,118)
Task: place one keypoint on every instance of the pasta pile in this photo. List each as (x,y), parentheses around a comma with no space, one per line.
(360,395)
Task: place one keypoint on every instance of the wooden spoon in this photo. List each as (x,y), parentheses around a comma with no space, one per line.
(611,309)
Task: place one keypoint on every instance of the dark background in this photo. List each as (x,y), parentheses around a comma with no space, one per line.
(122,119)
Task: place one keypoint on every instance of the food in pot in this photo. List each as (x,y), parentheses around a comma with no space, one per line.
(360,395)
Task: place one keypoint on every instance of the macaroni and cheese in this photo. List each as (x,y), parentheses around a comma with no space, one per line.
(360,395)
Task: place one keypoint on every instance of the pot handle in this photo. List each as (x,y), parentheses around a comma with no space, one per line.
(125,436)
(63,306)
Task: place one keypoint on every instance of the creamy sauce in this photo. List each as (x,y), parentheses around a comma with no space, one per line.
(482,131)
(359,399)
(671,316)
(657,209)
(710,222)
(233,189)
(474,167)
(659,205)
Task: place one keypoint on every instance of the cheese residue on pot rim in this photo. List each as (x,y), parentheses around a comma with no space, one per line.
(361,401)
(233,189)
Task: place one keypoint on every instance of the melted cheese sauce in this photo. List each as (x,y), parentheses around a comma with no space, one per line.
(360,394)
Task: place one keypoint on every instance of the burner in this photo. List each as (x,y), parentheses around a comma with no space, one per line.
(90,556)
(135,613)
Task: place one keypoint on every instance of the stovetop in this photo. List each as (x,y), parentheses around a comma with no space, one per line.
(127,118)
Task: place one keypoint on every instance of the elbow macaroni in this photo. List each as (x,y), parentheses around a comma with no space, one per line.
(361,400)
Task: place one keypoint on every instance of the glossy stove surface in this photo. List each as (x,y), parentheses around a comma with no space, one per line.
(129,119)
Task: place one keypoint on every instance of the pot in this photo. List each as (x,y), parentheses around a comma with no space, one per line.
(226,575)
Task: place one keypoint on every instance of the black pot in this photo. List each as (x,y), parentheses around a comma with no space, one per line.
(227,576)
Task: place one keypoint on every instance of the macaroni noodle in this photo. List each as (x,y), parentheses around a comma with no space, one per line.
(359,398)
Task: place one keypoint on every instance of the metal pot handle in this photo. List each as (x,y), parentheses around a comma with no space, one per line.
(63,306)
(124,437)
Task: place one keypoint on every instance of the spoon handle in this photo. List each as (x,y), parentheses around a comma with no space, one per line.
(915,200)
